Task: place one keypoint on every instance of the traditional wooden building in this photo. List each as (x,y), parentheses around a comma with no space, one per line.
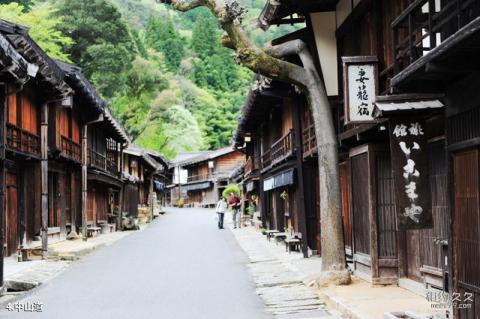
(25,134)
(144,175)
(67,122)
(106,140)
(60,153)
(271,129)
(401,78)
(177,175)
(207,175)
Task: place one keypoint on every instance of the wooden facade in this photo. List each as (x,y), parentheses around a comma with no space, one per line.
(427,75)
(60,151)
(207,175)
(144,175)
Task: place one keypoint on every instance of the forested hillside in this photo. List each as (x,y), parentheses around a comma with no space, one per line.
(165,75)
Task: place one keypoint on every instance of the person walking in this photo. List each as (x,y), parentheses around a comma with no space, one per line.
(234,202)
(221,208)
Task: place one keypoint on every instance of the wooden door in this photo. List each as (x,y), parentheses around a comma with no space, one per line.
(360,203)
(385,201)
(55,193)
(11,214)
(90,205)
(466,229)
(413,255)
(431,251)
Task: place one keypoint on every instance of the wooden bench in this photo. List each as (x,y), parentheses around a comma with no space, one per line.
(292,241)
(270,233)
(93,231)
(279,236)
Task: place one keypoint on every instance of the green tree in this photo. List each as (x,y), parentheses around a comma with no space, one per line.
(26,4)
(103,45)
(161,36)
(205,36)
(44,28)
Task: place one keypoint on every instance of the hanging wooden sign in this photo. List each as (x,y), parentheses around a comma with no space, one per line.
(360,85)
(408,146)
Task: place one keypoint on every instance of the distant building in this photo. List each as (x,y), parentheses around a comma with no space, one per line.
(200,178)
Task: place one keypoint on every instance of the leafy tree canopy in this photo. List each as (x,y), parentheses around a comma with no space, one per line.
(44,28)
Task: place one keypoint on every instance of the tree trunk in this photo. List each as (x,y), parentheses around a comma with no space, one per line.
(269,62)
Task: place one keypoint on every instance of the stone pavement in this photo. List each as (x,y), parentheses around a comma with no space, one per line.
(286,284)
(281,278)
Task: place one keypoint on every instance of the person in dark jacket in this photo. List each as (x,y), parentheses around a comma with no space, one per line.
(234,202)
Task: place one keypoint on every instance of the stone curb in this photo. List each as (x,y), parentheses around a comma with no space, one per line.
(336,303)
(76,255)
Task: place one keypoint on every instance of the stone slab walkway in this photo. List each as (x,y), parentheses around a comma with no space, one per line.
(281,278)
(285,282)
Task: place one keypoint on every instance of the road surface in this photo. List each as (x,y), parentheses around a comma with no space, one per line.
(180,267)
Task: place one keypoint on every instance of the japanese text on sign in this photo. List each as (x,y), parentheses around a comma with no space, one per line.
(410,173)
(361,81)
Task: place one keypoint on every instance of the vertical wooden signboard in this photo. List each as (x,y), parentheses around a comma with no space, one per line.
(408,146)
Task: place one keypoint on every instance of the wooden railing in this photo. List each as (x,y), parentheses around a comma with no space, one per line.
(309,141)
(71,149)
(424,24)
(112,167)
(198,178)
(280,150)
(266,158)
(23,141)
(252,163)
(101,162)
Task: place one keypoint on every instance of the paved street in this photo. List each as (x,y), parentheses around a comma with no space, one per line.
(182,266)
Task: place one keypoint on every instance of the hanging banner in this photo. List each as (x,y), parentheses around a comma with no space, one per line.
(408,146)
(360,82)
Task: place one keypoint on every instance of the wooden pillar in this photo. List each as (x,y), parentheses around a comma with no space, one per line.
(62,202)
(73,205)
(44,173)
(121,204)
(150,194)
(3,111)
(84,181)
(22,174)
(300,194)
(263,204)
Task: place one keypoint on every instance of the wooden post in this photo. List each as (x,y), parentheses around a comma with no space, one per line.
(61,185)
(73,206)
(300,194)
(84,181)
(150,191)
(121,195)
(22,204)
(3,111)
(44,173)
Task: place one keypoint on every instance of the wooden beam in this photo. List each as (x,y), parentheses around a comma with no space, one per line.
(44,174)
(84,181)
(300,193)
(3,111)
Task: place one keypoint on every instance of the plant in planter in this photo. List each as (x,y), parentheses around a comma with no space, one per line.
(229,189)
